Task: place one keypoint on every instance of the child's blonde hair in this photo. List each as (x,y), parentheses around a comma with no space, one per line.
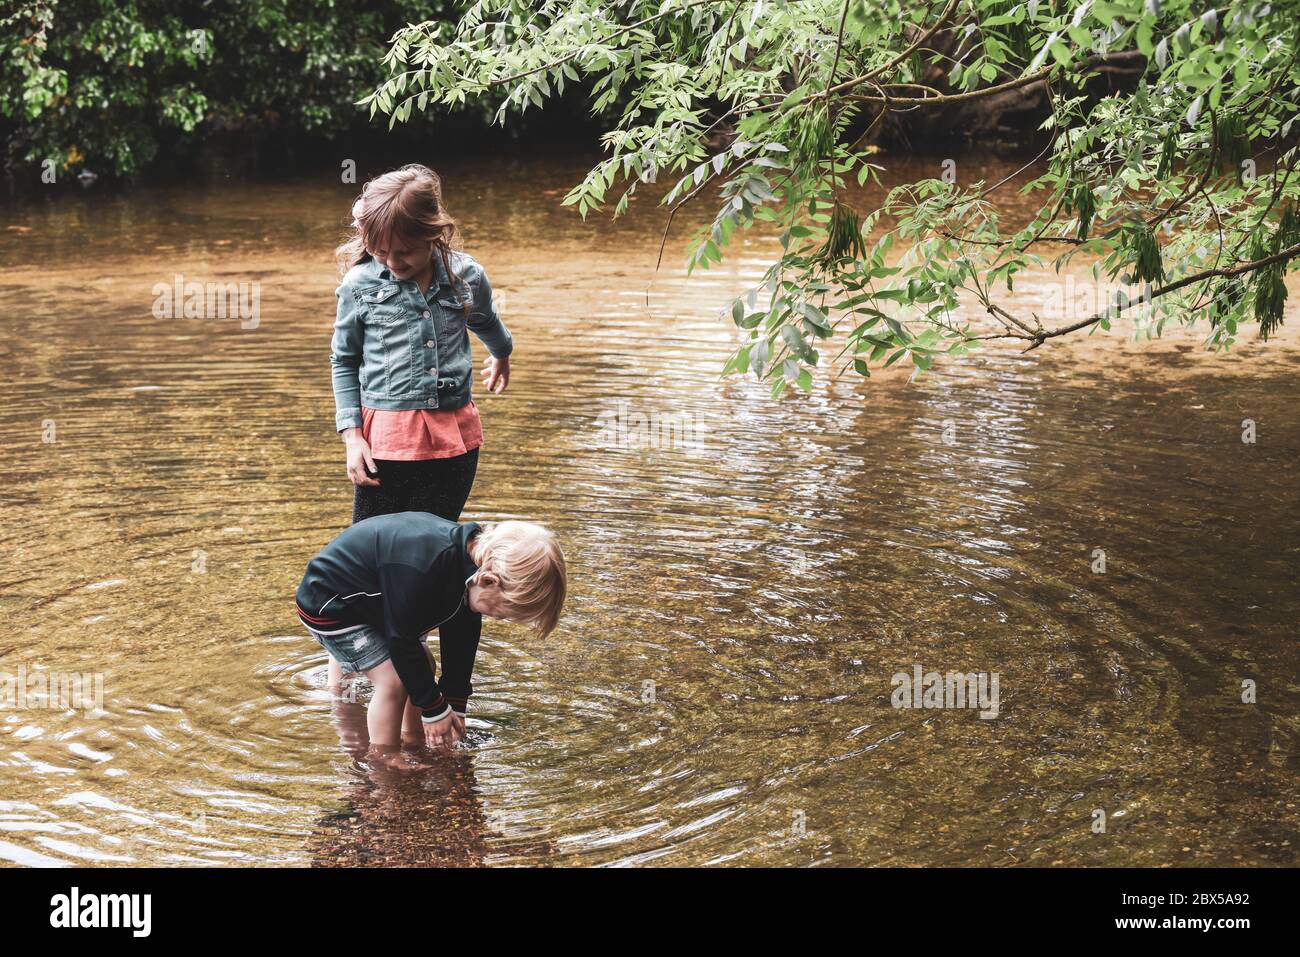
(530,565)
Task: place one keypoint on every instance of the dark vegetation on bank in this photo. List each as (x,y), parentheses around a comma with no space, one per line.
(93,92)
(146,90)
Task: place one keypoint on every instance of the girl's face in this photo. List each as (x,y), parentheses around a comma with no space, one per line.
(405,258)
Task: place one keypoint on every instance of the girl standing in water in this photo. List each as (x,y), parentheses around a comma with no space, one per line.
(400,355)
(402,368)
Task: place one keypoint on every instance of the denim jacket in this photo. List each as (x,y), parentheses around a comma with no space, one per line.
(396,348)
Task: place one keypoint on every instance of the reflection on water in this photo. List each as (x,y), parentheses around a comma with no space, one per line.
(720,689)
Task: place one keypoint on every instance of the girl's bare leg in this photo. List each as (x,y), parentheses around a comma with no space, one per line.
(387,705)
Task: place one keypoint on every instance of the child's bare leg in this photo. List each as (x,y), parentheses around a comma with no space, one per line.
(335,680)
(413,718)
(349,720)
(384,717)
(412,725)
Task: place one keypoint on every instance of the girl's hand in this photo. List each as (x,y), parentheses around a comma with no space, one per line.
(445,732)
(359,459)
(496,371)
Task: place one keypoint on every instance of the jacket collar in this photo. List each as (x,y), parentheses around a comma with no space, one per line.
(462,534)
(440,277)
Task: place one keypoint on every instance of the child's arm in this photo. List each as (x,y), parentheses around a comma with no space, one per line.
(458,647)
(345,361)
(412,663)
(483,318)
(416,671)
(345,364)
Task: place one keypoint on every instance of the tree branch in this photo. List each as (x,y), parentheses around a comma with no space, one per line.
(1041,336)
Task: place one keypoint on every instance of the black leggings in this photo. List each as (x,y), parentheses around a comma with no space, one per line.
(440,486)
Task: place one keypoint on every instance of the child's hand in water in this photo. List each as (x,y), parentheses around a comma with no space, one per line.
(359,458)
(445,732)
(496,372)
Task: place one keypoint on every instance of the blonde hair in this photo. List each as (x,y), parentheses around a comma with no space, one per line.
(403,203)
(527,560)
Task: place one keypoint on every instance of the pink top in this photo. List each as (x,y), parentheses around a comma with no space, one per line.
(420,434)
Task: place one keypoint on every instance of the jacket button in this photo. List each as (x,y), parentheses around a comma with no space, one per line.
(425,314)
(429,343)
(433,402)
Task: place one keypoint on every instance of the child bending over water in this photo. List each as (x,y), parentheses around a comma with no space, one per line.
(373,593)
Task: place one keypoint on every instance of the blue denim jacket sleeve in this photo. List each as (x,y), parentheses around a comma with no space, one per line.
(483,318)
(345,361)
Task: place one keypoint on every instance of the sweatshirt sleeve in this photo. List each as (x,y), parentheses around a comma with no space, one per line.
(483,317)
(413,665)
(458,647)
(345,361)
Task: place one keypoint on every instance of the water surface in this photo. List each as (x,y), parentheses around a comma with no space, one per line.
(719,690)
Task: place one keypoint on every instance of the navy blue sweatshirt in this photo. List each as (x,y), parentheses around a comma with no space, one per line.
(403,574)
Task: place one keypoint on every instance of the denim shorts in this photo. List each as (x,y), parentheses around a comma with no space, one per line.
(358,650)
